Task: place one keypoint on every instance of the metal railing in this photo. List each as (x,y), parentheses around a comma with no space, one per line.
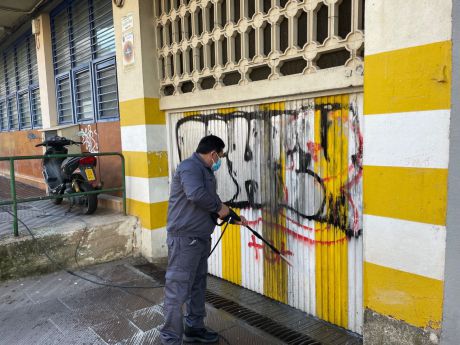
(15,201)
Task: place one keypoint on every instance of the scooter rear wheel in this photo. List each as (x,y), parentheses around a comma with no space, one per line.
(90,202)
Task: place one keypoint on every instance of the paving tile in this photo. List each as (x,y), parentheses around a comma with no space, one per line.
(115,331)
(56,285)
(13,301)
(116,273)
(153,295)
(99,296)
(147,318)
(26,332)
(80,337)
(151,337)
(83,318)
(30,313)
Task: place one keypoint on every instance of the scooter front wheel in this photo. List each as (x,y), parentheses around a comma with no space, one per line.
(90,200)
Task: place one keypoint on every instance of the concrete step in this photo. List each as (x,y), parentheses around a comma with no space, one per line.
(71,239)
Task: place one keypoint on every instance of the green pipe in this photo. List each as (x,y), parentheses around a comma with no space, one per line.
(62,155)
(123,183)
(49,197)
(13,197)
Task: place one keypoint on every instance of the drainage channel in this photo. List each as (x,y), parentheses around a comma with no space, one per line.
(252,318)
(283,333)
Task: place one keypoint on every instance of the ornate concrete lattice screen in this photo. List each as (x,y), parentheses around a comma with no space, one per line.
(294,170)
(204,44)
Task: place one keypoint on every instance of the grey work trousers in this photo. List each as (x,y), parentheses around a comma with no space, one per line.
(185,283)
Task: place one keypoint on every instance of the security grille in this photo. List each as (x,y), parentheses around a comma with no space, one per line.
(19,91)
(205,44)
(83,40)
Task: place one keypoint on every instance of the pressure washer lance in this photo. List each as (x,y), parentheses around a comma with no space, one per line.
(232,218)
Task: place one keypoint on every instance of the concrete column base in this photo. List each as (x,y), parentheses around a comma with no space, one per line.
(383,330)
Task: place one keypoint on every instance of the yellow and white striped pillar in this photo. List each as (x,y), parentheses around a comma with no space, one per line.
(407,112)
(143,124)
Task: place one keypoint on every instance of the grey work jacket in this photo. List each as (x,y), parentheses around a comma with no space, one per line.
(193,198)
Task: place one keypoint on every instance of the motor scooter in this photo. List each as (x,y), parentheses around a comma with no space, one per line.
(64,176)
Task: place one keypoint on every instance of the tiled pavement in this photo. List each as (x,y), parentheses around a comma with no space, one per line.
(62,309)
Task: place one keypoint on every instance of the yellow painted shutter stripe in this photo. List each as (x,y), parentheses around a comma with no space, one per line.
(332,259)
(231,254)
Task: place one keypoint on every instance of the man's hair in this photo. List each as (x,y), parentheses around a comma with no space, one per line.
(210,143)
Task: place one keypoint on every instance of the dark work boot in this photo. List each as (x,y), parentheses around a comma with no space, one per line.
(200,335)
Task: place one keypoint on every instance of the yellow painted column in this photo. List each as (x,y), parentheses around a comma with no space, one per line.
(407,93)
(143,124)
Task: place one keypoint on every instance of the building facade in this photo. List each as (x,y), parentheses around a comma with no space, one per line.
(338,121)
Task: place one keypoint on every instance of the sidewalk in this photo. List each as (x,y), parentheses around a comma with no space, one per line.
(62,309)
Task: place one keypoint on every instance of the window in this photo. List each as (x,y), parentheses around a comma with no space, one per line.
(84,61)
(19,92)
(257,40)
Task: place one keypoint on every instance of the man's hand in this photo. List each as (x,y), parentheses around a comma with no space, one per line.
(243,221)
(224,211)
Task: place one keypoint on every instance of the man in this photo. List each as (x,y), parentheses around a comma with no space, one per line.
(193,206)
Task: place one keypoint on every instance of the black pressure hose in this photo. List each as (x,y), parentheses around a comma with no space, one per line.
(231,219)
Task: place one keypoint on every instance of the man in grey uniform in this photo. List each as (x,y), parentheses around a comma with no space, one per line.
(192,203)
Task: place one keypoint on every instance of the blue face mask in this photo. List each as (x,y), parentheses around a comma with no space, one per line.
(215,166)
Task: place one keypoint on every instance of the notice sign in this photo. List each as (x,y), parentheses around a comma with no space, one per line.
(127,22)
(128,49)
(127,37)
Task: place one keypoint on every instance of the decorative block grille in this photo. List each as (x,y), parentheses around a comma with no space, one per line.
(204,44)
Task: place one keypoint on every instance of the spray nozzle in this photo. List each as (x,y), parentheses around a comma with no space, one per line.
(231,218)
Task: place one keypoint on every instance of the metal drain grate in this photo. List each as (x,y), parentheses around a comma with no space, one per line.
(269,326)
(261,322)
